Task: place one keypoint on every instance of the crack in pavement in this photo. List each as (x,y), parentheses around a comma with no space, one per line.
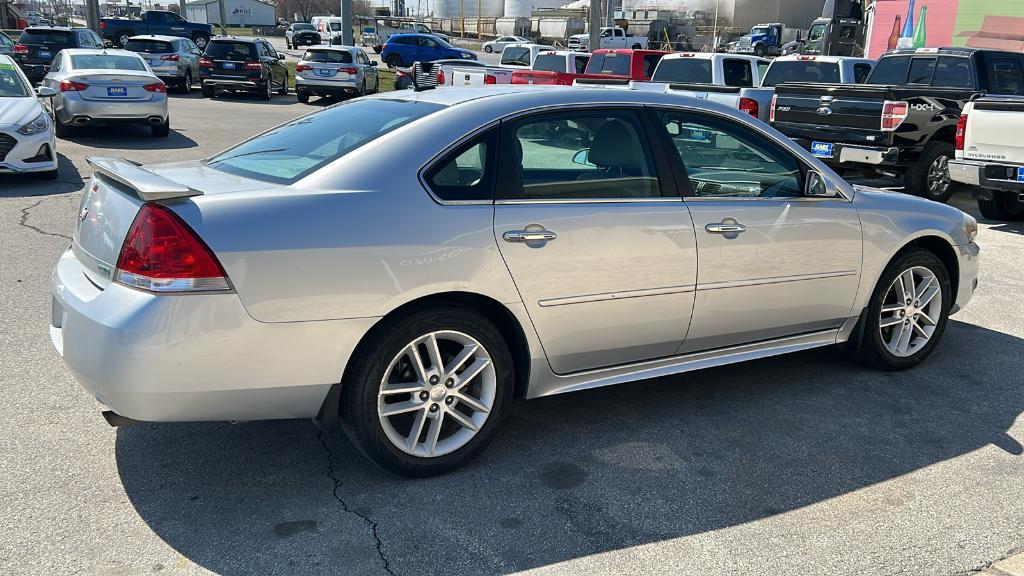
(24,222)
(337,496)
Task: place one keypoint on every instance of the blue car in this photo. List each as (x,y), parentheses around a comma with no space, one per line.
(403,49)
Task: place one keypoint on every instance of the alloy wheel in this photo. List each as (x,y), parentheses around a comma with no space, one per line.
(436,394)
(938,176)
(911,310)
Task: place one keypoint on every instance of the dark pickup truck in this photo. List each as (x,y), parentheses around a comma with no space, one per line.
(158,22)
(903,121)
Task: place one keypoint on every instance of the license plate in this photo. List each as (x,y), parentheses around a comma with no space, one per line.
(45,54)
(324,71)
(229,65)
(117,91)
(822,149)
(1020,174)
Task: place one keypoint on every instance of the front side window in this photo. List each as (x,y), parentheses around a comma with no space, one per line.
(468,172)
(11,84)
(298,148)
(107,62)
(953,72)
(801,71)
(724,160)
(737,73)
(584,155)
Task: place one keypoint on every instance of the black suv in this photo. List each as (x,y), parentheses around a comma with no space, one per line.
(39,44)
(242,65)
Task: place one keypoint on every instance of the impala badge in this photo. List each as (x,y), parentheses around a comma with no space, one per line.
(824,111)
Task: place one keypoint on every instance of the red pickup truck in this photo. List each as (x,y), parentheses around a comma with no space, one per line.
(620,65)
(555,67)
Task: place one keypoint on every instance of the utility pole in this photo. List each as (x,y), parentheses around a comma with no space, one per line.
(92,15)
(346,23)
(594,21)
(608,13)
(462,16)
(223,17)
(714,40)
(478,2)
(182,11)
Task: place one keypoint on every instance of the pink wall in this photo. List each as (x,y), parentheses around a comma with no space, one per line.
(942,15)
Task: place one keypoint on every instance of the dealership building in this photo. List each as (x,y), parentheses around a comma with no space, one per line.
(239,13)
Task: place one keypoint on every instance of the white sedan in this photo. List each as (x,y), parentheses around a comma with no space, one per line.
(499,43)
(27,143)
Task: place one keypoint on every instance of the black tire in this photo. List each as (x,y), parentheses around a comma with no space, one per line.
(377,49)
(201,40)
(63,130)
(637,47)
(362,89)
(186,84)
(264,91)
(1004,207)
(208,91)
(922,178)
(488,49)
(760,50)
(123,36)
(48,175)
(872,347)
(394,61)
(287,45)
(302,97)
(161,130)
(361,387)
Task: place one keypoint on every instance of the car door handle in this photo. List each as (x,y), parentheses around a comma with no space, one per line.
(726,228)
(529,236)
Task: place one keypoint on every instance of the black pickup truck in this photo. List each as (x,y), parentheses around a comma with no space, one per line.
(904,119)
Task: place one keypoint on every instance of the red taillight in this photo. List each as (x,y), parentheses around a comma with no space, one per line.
(70,86)
(170,57)
(893,114)
(349,70)
(206,62)
(302,67)
(961,132)
(156,87)
(807,58)
(749,105)
(253,66)
(20,49)
(489,79)
(771,111)
(161,253)
(440,77)
(103,25)
(398,73)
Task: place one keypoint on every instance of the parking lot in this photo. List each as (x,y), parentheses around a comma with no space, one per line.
(801,464)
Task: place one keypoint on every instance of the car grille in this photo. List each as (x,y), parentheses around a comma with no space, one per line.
(6,144)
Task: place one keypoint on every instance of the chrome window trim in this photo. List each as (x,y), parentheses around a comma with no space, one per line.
(660,200)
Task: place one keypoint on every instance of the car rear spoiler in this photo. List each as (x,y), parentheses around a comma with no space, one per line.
(146,185)
(716,88)
(602,82)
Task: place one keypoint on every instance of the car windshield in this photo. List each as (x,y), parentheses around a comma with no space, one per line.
(336,26)
(332,56)
(231,51)
(52,37)
(11,84)
(107,62)
(148,46)
(801,71)
(298,148)
(549,63)
(609,63)
(301,27)
(683,70)
(760,30)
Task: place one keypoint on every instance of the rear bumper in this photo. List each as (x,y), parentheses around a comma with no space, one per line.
(983,175)
(326,86)
(79,112)
(192,356)
(223,84)
(856,154)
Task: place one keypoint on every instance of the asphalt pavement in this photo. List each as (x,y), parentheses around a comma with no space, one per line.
(804,464)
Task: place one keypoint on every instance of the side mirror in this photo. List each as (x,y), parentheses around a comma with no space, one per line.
(372,63)
(582,157)
(817,186)
(45,92)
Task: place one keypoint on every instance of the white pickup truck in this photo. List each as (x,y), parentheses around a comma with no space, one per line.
(990,155)
(513,57)
(613,37)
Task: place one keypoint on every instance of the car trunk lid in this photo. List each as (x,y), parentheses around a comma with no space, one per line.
(123,85)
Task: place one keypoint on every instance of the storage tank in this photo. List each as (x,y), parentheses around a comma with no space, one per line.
(512,26)
(524,7)
(451,8)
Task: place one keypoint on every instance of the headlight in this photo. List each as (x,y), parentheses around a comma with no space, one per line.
(41,123)
(970,227)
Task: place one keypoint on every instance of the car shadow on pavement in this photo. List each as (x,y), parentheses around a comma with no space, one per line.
(130,137)
(577,474)
(69,179)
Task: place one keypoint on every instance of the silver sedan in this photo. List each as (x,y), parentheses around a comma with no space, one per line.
(524,242)
(100,87)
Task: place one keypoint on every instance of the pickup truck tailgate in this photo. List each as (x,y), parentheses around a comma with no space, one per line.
(994,128)
(852,115)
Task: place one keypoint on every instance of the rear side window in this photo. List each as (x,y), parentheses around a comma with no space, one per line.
(549,63)
(467,173)
(331,56)
(517,55)
(581,63)
(861,72)
(231,50)
(148,46)
(683,70)
(609,63)
(921,70)
(106,62)
(1005,75)
(651,64)
(953,72)
(801,71)
(54,37)
(737,73)
(298,148)
(890,70)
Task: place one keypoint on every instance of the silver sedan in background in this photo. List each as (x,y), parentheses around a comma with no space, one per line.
(101,87)
(335,71)
(524,242)
(175,61)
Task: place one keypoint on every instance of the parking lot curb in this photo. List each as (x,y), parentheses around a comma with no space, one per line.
(1009,566)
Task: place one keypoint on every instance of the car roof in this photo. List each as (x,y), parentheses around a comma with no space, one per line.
(246,39)
(52,28)
(110,51)
(335,47)
(159,37)
(819,58)
(950,50)
(412,35)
